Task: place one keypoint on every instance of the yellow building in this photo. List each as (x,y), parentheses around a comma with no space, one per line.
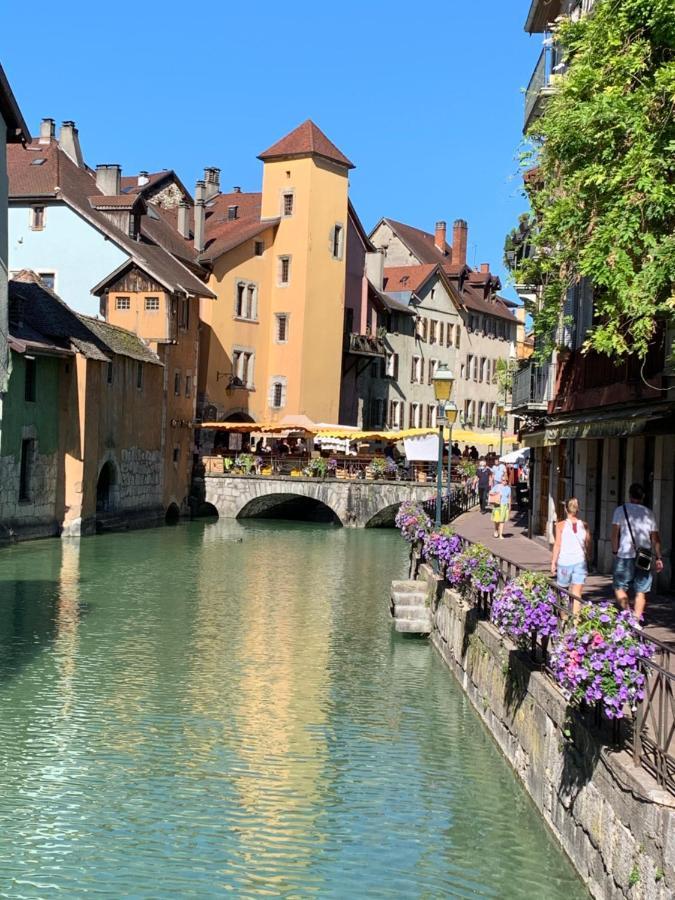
(271,345)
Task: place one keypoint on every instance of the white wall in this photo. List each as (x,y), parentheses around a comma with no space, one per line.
(67,245)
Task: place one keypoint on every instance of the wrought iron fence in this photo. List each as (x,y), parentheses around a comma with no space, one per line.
(460,499)
(649,734)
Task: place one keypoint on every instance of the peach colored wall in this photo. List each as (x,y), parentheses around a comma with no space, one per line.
(153,325)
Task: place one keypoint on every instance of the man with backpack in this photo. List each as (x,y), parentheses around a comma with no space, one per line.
(636,545)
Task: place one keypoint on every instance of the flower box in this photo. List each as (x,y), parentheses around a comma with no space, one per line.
(266,470)
(295,473)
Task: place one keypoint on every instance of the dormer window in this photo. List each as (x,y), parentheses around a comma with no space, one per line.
(232,213)
(134,226)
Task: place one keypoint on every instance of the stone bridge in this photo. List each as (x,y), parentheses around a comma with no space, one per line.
(353,503)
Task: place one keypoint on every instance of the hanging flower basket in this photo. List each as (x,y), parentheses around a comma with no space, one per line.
(525,608)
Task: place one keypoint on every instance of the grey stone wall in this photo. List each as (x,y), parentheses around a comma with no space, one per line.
(355,503)
(140,485)
(37,516)
(611,818)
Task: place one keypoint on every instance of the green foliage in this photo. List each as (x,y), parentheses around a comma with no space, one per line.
(634,877)
(603,195)
(504,372)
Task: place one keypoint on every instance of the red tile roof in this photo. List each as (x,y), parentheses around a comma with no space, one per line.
(60,177)
(223,233)
(306,139)
(116,201)
(407,278)
(422,245)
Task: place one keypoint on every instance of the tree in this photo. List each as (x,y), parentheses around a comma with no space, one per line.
(601,160)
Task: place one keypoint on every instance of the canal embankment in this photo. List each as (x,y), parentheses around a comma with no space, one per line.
(612,819)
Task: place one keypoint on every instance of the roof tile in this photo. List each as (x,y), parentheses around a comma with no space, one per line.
(306,139)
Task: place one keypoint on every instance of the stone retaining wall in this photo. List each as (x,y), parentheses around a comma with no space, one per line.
(611,818)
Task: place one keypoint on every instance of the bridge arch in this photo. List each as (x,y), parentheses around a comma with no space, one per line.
(384,518)
(286,505)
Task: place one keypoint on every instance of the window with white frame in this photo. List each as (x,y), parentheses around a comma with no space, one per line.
(433,363)
(151,304)
(277,392)
(457,337)
(449,334)
(441,332)
(281,328)
(123,303)
(431,415)
(469,366)
(481,369)
(422,328)
(417,370)
(395,414)
(415,418)
(392,365)
(284,270)
(433,325)
(337,241)
(246,301)
(37,218)
(242,366)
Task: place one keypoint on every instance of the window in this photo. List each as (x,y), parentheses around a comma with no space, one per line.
(338,232)
(284,269)
(433,325)
(48,279)
(395,410)
(185,313)
(37,218)
(122,303)
(287,203)
(481,369)
(432,370)
(152,304)
(277,397)
(239,302)
(139,375)
(392,366)
(242,364)
(449,335)
(109,373)
(415,420)
(250,301)
(176,384)
(469,366)
(26,468)
(374,368)
(456,336)
(377,412)
(422,328)
(259,248)
(176,454)
(30,364)
(441,326)
(232,212)
(416,370)
(281,328)
(134,226)
(188,385)
(431,415)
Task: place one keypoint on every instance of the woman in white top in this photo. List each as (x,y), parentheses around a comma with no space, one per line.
(570,551)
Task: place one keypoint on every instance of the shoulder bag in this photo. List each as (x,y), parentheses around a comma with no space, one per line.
(643,555)
(495,498)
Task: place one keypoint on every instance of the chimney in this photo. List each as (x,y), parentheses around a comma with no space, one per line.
(69,142)
(108,179)
(200,216)
(47,130)
(184,219)
(212,181)
(459,241)
(485,268)
(439,237)
(375,268)
(142,178)
(236,189)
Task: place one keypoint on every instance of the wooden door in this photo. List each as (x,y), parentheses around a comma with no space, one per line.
(544,487)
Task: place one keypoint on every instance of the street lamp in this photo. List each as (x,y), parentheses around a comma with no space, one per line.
(500,415)
(450,418)
(443,384)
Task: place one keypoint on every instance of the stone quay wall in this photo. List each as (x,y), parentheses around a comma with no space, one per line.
(611,818)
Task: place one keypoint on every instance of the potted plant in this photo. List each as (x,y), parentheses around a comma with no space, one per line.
(598,659)
(377,468)
(391,469)
(332,468)
(525,608)
(441,546)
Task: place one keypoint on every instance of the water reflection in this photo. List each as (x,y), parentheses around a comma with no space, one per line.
(233,713)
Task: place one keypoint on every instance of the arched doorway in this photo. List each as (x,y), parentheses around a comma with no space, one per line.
(105,488)
(172,516)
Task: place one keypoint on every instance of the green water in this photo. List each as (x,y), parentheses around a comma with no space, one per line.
(224,708)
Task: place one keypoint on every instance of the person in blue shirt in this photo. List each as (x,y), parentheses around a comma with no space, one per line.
(500,514)
(498,471)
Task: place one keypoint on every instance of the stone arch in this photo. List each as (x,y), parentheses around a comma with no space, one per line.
(107,487)
(292,504)
(172,515)
(384,518)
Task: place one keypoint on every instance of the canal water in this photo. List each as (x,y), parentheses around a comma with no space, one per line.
(224,708)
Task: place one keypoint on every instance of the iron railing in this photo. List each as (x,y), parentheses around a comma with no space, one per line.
(533,387)
(461,499)
(550,63)
(649,734)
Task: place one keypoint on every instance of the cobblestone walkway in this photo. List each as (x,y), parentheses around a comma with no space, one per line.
(535,555)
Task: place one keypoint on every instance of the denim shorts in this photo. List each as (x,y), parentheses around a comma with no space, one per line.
(627,576)
(575,574)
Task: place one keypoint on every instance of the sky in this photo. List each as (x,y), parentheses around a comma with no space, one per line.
(424,97)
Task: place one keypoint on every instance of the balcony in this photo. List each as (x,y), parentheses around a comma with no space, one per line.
(533,387)
(549,68)
(541,14)
(364,345)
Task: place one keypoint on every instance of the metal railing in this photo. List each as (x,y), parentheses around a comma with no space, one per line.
(345,468)
(533,387)
(649,734)
(550,63)
(365,345)
(460,499)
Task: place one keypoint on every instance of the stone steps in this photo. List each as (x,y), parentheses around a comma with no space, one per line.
(409,608)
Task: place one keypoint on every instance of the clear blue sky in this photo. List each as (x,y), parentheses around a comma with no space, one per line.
(424,97)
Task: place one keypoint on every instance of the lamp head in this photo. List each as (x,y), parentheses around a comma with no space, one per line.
(451,412)
(443,383)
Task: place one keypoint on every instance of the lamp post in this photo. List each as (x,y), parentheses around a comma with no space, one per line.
(443,384)
(500,415)
(450,418)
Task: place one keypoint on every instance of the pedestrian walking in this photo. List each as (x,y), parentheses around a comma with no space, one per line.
(570,553)
(636,545)
(481,483)
(498,471)
(500,495)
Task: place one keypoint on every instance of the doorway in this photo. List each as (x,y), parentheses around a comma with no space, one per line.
(105,488)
